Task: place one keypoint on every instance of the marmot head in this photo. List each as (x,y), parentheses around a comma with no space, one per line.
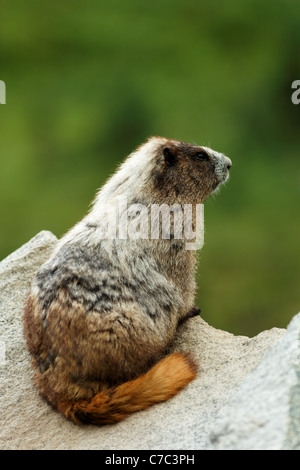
(187,173)
(166,171)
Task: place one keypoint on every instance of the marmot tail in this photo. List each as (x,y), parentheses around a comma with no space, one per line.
(164,380)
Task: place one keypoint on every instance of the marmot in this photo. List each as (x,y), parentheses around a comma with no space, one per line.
(102,311)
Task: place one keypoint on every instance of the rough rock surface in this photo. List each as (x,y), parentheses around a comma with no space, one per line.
(247,395)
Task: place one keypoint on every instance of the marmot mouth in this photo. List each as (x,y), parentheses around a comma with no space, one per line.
(222,169)
(223,178)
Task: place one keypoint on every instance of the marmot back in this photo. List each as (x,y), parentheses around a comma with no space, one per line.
(104,308)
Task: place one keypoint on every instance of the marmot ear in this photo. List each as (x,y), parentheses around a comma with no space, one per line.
(170,156)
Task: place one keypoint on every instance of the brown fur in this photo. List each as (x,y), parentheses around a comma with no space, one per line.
(97,399)
(161,382)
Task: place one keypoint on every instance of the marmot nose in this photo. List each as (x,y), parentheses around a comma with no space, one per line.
(228,163)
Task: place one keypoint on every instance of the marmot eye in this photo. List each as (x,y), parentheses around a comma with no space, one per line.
(202,156)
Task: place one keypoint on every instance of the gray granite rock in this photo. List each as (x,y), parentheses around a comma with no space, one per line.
(265,412)
(245,385)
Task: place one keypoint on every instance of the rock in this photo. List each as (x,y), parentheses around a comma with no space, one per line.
(247,394)
(265,412)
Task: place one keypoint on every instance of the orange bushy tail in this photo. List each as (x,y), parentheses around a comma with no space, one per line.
(161,382)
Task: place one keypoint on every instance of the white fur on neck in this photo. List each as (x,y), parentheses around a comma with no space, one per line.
(131,175)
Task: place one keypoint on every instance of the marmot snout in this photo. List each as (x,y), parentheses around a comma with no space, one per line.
(222,165)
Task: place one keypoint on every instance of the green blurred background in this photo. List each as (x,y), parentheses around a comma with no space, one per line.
(89,81)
